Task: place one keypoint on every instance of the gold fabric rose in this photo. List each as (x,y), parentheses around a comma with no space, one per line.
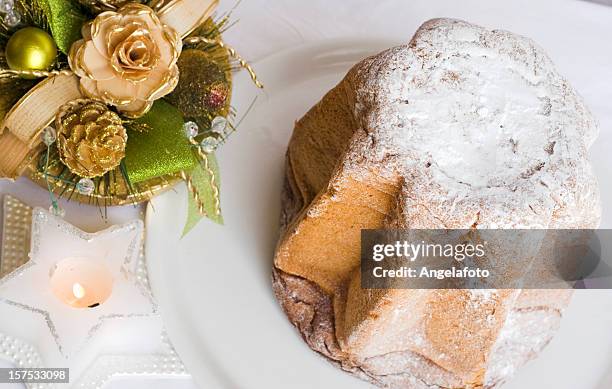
(127,59)
(91,138)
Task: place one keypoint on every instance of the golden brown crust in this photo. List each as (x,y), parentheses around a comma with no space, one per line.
(352,164)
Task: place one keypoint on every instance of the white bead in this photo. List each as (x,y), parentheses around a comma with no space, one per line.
(85,186)
(209,144)
(12,19)
(49,136)
(191,129)
(219,125)
(7,6)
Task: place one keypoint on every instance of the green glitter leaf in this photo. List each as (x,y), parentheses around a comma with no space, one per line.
(163,149)
(202,182)
(65,22)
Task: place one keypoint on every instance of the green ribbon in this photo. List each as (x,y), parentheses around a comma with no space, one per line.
(65,22)
(162,149)
(202,181)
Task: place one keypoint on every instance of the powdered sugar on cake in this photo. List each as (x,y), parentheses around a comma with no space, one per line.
(477,130)
(485,133)
(481,123)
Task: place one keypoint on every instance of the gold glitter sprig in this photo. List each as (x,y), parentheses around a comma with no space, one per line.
(231,51)
(211,173)
(157,5)
(194,192)
(134,125)
(106,5)
(10,73)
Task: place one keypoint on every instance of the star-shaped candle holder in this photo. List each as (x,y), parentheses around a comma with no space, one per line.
(81,301)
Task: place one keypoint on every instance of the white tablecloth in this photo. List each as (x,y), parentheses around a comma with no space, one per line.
(266,27)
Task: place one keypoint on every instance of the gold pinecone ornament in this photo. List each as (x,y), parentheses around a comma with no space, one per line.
(91,138)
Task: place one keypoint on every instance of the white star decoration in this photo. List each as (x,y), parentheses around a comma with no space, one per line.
(53,239)
(123,335)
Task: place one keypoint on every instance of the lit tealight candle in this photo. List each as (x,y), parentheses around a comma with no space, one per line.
(81,282)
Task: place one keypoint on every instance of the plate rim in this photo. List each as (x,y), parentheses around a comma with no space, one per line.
(211,375)
(206,376)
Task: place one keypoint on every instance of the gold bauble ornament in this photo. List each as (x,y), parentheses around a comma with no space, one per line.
(30,48)
(91,138)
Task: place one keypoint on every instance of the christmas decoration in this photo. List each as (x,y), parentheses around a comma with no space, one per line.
(191,129)
(30,48)
(86,186)
(124,336)
(59,267)
(203,88)
(220,126)
(113,101)
(49,136)
(209,144)
(91,138)
(11,17)
(106,5)
(155,152)
(127,59)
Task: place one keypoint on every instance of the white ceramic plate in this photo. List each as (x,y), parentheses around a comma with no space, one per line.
(214,285)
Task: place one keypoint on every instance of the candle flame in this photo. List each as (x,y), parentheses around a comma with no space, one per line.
(78,291)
